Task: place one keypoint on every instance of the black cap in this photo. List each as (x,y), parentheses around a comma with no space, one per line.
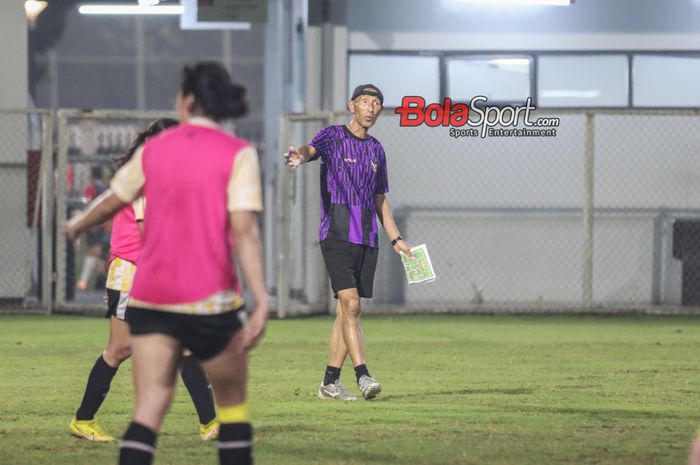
(368,89)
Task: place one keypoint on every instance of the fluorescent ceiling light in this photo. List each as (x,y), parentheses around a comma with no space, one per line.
(491,61)
(142,9)
(509,61)
(570,93)
(34,7)
(513,65)
(517,2)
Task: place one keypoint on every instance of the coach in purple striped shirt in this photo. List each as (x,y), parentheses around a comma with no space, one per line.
(354,184)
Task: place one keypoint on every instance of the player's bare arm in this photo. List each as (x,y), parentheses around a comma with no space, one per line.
(249,248)
(386,217)
(298,156)
(99,211)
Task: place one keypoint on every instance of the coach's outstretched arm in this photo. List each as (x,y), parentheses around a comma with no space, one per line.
(296,156)
(100,210)
(386,217)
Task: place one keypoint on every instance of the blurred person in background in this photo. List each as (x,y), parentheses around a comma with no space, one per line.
(97,238)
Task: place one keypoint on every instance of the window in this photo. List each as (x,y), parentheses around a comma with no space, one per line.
(397,76)
(666,81)
(499,78)
(582,81)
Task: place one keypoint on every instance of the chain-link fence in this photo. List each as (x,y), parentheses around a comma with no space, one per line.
(606,215)
(647,203)
(25,222)
(88,142)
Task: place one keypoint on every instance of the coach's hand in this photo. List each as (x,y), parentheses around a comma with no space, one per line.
(403,246)
(293,158)
(255,329)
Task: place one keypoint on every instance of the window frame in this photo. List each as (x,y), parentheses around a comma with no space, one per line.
(535,70)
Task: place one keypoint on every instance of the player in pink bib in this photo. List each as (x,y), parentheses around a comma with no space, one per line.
(204,193)
(125,248)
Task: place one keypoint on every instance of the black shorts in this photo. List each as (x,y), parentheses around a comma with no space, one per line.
(117,302)
(350,266)
(204,335)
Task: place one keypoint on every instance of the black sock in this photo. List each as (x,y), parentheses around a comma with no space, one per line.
(332,375)
(96,390)
(361,370)
(197,385)
(235,444)
(138,445)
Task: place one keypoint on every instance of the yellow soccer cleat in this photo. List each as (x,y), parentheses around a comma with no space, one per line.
(210,431)
(90,430)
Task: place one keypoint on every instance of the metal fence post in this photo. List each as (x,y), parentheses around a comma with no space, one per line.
(588,212)
(61,243)
(47,209)
(282,208)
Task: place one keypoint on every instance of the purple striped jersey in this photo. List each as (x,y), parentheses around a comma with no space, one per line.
(353,171)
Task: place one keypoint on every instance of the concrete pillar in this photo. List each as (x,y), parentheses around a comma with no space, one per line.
(14,241)
(282,95)
(274,107)
(13,54)
(326,56)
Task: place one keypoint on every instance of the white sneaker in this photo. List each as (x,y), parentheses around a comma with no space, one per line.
(369,387)
(334,391)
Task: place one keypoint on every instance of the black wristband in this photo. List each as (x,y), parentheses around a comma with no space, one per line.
(398,238)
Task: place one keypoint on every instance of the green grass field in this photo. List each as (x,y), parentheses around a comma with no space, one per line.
(457,390)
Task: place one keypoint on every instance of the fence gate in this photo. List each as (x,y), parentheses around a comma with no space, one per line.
(293,259)
(88,141)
